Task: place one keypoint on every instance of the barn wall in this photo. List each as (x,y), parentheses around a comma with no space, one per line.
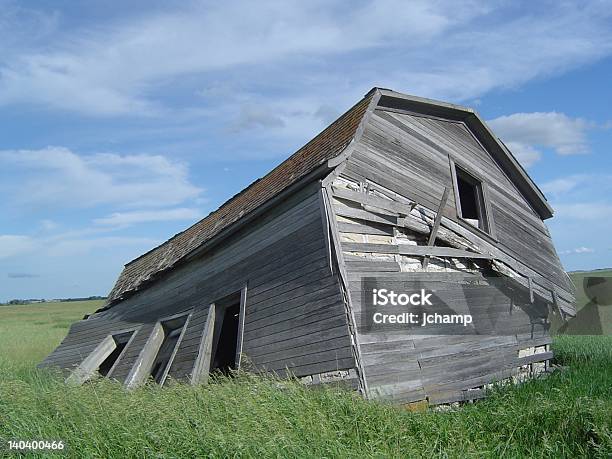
(407,367)
(295,316)
(405,158)
(410,154)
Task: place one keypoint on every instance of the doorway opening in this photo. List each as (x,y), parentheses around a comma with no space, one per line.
(225,352)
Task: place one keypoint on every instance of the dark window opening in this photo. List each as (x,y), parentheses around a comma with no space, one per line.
(172,332)
(225,346)
(120,344)
(471,205)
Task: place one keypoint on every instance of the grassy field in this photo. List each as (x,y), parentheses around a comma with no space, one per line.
(567,415)
(28,333)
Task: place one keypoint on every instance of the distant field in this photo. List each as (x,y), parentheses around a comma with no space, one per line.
(567,415)
(29,332)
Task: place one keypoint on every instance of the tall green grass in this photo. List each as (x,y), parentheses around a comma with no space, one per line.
(566,415)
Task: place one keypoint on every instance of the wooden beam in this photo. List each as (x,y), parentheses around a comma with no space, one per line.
(91,363)
(419,275)
(416,250)
(373,201)
(364,229)
(241,317)
(534,358)
(557,305)
(436,224)
(326,229)
(344,279)
(201,367)
(370,216)
(141,368)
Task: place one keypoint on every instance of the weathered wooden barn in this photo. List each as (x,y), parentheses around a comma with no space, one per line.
(399,187)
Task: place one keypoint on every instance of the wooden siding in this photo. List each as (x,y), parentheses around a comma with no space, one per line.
(405,367)
(385,201)
(409,154)
(295,316)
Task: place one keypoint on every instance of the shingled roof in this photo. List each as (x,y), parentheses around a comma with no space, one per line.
(325,146)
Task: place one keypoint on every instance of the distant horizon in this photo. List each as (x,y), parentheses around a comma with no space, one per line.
(4,302)
(54,300)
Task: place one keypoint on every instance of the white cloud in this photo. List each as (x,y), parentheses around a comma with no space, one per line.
(523,132)
(109,71)
(122,219)
(527,155)
(15,245)
(580,185)
(564,184)
(331,48)
(577,250)
(59,177)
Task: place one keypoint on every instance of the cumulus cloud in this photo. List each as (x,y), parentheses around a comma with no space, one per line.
(63,178)
(526,154)
(123,219)
(525,132)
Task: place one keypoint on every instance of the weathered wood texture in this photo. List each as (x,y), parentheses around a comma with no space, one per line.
(409,154)
(294,317)
(408,365)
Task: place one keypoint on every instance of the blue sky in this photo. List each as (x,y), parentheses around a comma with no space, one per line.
(124,124)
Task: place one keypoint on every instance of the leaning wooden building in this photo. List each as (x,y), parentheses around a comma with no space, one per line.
(398,187)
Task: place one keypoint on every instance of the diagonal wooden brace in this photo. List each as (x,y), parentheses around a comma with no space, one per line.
(436,224)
